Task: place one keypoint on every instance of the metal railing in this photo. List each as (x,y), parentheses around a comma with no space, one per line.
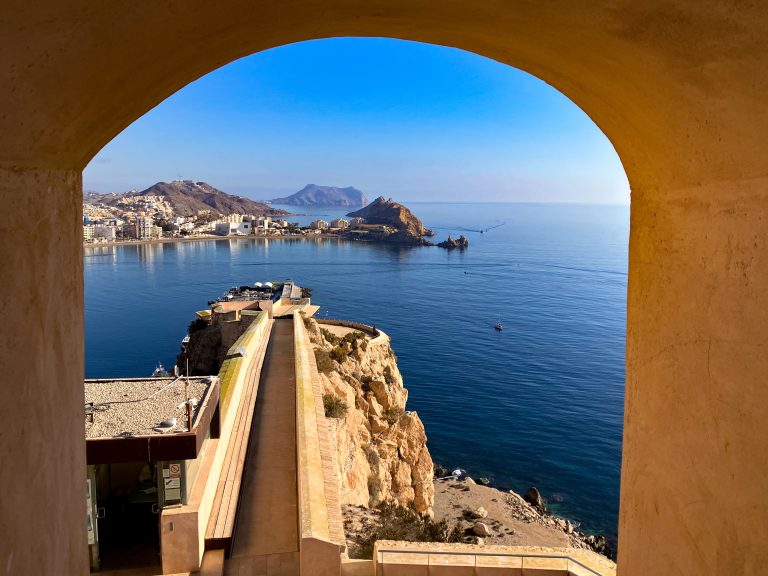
(379,561)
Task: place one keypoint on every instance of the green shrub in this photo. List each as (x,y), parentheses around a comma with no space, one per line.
(330,337)
(323,361)
(393,414)
(339,354)
(399,523)
(334,406)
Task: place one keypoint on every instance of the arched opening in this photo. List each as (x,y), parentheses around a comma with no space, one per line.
(542,350)
(653,78)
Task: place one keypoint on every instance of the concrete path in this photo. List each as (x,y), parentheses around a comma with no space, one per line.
(266,537)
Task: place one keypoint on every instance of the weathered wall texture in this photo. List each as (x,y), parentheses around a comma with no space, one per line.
(680,89)
(42,439)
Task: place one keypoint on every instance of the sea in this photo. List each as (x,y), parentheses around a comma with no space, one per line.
(538,404)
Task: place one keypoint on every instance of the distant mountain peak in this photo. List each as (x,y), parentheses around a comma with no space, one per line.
(325,196)
(188,198)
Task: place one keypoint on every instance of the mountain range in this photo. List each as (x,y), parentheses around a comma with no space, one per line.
(325,196)
(187,198)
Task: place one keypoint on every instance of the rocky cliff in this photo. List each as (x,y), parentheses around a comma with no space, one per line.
(395,215)
(382,451)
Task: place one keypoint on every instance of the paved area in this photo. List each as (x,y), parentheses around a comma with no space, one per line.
(342,331)
(266,538)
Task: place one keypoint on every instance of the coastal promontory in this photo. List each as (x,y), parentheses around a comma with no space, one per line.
(325,197)
(395,223)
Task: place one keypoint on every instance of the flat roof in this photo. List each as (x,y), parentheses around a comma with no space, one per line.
(127,411)
(135,407)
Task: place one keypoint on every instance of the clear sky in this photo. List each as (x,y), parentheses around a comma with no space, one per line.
(413,121)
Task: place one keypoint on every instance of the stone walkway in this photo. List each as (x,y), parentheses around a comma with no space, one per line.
(266,540)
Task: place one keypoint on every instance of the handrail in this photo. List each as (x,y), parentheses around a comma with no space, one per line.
(481,553)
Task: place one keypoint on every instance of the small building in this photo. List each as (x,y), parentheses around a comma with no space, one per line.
(319,225)
(340,223)
(233,228)
(357,221)
(88,231)
(143,440)
(105,233)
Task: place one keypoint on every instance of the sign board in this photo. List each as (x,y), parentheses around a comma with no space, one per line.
(174,470)
(172,483)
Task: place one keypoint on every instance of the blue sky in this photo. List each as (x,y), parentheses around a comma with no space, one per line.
(413,121)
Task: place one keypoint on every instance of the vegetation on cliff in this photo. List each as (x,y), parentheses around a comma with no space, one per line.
(381,447)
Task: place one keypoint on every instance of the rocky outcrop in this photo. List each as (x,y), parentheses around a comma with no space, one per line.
(382,451)
(533,497)
(407,228)
(454,243)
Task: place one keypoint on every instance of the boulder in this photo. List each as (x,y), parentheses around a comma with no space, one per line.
(481,529)
(533,497)
(480,513)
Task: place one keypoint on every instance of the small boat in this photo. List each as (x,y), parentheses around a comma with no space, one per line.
(160,371)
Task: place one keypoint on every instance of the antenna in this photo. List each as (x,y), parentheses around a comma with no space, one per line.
(186,399)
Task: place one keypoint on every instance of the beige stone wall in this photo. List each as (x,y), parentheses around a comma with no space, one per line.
(42,444)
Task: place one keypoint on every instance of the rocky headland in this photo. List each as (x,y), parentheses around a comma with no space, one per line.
(397,224)
(382,451)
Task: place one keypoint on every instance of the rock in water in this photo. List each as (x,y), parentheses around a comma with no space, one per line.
(454,243)
(533,497)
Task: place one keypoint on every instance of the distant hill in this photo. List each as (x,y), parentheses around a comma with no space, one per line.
(187,198)
(395,215)
(325,196)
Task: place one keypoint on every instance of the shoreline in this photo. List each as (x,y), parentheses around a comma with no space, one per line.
(210,238)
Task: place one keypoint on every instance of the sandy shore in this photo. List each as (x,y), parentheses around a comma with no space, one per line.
(509,519)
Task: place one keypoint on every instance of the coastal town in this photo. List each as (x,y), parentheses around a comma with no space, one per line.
(188,210)
(150,217)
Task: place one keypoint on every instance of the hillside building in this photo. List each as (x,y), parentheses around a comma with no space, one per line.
(319,225)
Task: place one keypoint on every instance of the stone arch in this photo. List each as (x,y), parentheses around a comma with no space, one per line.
(678,87)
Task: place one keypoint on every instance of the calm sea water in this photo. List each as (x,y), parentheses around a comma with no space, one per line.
(540,403)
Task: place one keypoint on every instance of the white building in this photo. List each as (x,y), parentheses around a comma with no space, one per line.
(233,228)
(319,225)
(356,221)
(88,230)
(145,228)
(339,223)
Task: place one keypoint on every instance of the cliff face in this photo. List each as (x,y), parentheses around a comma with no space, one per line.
(382,451)
(391,213)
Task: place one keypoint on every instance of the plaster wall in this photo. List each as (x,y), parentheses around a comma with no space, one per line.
(42,436)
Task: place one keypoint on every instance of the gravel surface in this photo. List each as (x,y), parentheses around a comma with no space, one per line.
(136,407)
